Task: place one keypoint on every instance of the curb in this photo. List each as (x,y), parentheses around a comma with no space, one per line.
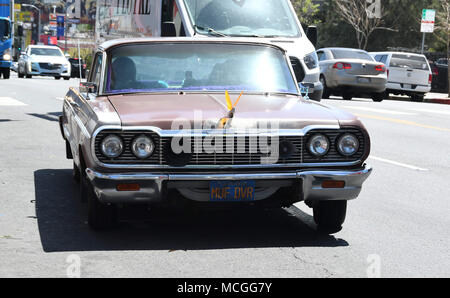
(438,100)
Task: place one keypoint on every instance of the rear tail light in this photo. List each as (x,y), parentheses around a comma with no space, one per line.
(430,78)
(380,68)
(341,65)
(435,71)
(387,71)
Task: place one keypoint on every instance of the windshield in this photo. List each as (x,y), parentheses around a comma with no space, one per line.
(350,54)
(244,17)
(4,28)
(45,52)
(408,61)
(198,67)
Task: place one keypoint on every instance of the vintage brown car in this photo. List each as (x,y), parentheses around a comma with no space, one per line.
(212,122)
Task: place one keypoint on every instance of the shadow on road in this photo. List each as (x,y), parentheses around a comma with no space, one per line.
(62,226)
(53,116)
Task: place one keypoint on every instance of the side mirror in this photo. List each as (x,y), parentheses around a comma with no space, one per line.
(168,29)
(67,56)
(88,87)
(312,35)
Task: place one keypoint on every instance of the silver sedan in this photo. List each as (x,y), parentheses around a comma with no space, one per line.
(351,73)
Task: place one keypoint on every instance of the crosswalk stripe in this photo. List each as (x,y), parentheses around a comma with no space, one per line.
(9,101)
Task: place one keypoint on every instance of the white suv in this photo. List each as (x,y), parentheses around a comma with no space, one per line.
(408,74)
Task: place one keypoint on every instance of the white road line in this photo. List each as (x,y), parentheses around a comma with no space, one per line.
(431,111)
(60,98)
(383,111)
(9,101)
(397,163)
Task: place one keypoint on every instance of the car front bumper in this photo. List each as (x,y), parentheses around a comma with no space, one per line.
(153,186)
(36,70)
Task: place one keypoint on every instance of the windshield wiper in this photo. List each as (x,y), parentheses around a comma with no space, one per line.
(211,31)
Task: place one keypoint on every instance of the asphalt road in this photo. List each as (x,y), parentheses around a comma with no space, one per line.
(398,227)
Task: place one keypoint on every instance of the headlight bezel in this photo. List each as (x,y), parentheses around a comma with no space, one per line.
(339,142)
(134,149)
(311,139)
(110,137)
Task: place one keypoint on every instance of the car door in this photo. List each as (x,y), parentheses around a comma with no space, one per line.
(409,70)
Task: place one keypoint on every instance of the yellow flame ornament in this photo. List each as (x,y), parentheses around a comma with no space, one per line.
(231,110)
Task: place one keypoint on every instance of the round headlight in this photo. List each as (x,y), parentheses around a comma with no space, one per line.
(348,145)
(112,146)
(318,145)
(142,147)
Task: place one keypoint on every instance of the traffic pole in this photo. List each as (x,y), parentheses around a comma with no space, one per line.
(423,43)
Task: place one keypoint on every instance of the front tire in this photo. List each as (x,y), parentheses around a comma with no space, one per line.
(100,216)
(6,74)
(57,78)
(329,215)
(347,96)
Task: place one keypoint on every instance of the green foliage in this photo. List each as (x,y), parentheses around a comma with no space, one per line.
(306,11)
(402,15)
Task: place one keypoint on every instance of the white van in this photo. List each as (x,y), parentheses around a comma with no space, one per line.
(408,74)
(272,21)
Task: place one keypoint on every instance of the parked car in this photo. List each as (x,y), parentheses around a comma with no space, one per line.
(351,73)
(439,82)
(212,121)
(75,65)
(42,60)
(408,74)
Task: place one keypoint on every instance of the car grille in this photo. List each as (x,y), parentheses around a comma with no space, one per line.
(49,66)
(292,150)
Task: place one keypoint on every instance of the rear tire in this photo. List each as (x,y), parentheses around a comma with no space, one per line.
(57,78)
(347,96)
(378,97)
(100,216)
(329,215)
(66,78)
(19,74)
(326,93)
(417,97)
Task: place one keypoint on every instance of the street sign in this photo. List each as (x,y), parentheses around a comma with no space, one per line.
(428,19)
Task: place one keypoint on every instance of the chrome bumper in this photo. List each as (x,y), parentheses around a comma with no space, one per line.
(152,185)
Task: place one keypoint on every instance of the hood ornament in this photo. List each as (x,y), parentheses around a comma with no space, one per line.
(225,122)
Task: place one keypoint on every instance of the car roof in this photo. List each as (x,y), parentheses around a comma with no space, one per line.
(230,40)
(347,49)
(43,46)
(402,53)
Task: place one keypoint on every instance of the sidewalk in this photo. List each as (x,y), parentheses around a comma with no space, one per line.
(441,98)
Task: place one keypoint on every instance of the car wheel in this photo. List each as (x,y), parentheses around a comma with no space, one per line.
(28,76)
(100,216)
(347,96)
(19,74)
(378,97)
(329,215)
(417,97)
(326,93)
(66,78)
(57,78)
(76,173)
(6,74)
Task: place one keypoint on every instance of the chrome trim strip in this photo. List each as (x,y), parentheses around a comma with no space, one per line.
(80,123)
(193,133)
(255,176)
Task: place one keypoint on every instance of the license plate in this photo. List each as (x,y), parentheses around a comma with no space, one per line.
(232,191)
(363,80)
(407,86)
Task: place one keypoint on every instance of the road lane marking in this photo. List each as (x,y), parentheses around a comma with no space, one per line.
(432,111)
(383,111)
(9,101)
(60,98)
(404,165)
(406,122)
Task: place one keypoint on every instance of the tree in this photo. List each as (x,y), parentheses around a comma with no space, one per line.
(442,30)
(365,16)
(306,11)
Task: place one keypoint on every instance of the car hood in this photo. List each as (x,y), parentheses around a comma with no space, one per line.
(49,59)
(285,111)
